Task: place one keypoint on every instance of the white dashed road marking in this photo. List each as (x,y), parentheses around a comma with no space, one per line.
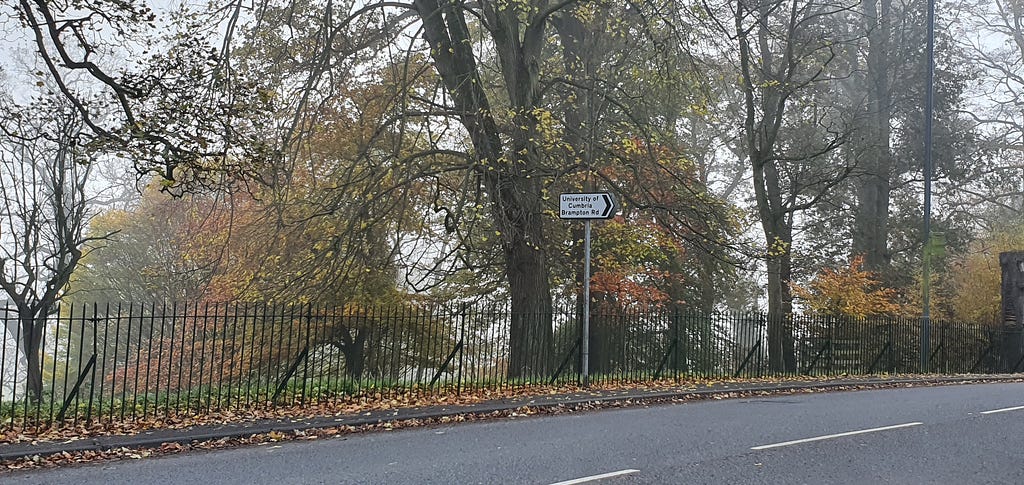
(596,477)
(1015,408)
(838,435)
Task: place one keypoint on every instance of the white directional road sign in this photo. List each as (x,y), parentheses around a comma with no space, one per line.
(586,206)
(598,205)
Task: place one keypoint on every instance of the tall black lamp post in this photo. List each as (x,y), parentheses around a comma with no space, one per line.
(929,101)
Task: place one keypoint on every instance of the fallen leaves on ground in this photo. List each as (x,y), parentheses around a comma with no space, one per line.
(363,405)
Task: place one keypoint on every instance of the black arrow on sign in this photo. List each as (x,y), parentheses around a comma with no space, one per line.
(608,207)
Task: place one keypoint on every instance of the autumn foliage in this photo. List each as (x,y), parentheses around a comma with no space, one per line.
(644,258)
(633,264)
(850,291)
(975,277)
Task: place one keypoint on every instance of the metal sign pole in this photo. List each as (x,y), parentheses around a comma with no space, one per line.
(586,206)
(585,345)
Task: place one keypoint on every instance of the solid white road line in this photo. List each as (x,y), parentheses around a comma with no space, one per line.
(830,436)
(596,477)
(1015,408)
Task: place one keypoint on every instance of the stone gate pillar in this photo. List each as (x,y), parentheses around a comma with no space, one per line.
(1012,309)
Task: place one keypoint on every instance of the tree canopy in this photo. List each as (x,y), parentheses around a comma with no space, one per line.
(346,152)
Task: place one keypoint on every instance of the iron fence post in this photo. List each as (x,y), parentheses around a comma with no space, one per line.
(288,375)
(565,362)
(305,362)
(73,395)
(747,359)
(675,343)
(461,348)
(661,365)
(981,358)
(816,357)
(447,361)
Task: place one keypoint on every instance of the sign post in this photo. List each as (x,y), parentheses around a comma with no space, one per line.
(586,206)
(585,345)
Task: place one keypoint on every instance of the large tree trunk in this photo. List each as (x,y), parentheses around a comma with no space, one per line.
(603,336)
(509,176)
(518,211)
(35,375)
(530,331)
(32,336)
(353,349)
(871,225)
(781,348)
(765,97)
(778,233)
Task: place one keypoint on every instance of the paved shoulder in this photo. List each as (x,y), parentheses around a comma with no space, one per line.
(857,437)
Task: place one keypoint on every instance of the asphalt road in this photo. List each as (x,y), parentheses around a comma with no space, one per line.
(929,435)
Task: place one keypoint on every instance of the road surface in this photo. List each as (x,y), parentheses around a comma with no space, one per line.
(953,434)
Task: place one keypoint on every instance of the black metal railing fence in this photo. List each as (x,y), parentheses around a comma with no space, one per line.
(114,363)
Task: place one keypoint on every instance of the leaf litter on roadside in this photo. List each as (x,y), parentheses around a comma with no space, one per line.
(691,390)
